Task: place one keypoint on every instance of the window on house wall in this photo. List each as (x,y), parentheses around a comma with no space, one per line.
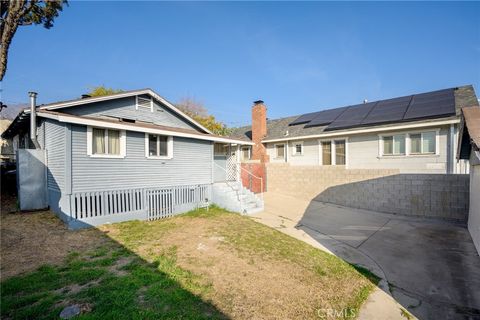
(106,142)
(394,145)
(340,152)
(245,153)
(326,153)
(298,148)
(159,146)
(220,149)
(423,143)
(280,151)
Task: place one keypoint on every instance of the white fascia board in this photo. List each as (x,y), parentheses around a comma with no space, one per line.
(123,126)
(368,130)
(150,92)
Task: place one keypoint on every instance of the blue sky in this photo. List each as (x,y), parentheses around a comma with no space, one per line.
(297,57)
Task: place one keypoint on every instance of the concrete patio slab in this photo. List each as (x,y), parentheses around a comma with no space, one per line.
(429,267)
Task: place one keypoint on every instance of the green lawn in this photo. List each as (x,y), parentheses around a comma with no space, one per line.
(204,264)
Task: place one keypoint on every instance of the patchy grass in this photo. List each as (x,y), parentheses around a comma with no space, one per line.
(204,264)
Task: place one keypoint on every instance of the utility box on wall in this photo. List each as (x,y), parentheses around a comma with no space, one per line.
(31,179)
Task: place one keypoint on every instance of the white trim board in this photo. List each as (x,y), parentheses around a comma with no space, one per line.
(367,130)
(127,127)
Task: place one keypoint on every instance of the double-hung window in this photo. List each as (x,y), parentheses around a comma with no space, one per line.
(109,143)
(158,146)
(408,144)
(423,143)
(393,145)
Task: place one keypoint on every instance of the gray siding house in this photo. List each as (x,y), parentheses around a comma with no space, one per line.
(414,134)
(131,155)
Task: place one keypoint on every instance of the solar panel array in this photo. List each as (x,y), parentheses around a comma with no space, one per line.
(425,105)
(326,117)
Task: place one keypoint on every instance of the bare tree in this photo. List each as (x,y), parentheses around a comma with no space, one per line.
(15,13)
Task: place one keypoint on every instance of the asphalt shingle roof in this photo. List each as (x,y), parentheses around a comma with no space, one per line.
(278,128)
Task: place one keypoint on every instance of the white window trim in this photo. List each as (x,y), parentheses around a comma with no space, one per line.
(382,136)
(169,147)
(249,152)
(294,152)
(137,105)
(408,144)
(333,152)
(285,149)
(123,144)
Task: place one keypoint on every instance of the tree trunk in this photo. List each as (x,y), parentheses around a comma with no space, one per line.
(9,26)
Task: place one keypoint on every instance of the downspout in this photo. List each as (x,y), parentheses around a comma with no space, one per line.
(33,119)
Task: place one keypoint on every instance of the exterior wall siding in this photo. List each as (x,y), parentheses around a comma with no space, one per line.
(474,214)
(125,108)
(191,164)
(363,153)
(55,144)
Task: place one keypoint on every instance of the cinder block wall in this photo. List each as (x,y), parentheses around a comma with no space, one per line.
(428,195)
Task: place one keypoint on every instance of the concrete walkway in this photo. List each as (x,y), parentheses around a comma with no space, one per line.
(429,268)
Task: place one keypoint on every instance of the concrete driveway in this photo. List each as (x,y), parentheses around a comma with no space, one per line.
(430,267)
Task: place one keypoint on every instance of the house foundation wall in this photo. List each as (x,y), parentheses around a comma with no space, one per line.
(443,196)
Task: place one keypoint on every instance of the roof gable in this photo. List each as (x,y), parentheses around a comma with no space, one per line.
(133,93)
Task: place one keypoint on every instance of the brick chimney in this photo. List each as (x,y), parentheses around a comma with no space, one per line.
(259,131)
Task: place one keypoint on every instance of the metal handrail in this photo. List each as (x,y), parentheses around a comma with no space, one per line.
(261,179)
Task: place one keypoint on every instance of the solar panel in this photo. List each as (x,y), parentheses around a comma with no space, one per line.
(326,117)
(352,117)
(390,110)
(305,118)
(432,104)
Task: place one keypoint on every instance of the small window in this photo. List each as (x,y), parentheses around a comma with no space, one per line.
(423,143)
(144,102)
(245,153)
(326,153)
(394,145)
(298,149)
(220,149)
(159,146)
(106,142)
(280,150)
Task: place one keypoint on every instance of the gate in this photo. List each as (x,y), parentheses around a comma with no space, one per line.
(31,179)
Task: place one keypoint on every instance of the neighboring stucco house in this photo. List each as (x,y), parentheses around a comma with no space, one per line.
(131,155)
(469,148)
(414,134)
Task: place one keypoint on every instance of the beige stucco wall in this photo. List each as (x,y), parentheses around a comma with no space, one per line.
(474,211)
(363,153)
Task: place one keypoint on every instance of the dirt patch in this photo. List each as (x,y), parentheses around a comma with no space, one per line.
(29,240)
(245,284)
